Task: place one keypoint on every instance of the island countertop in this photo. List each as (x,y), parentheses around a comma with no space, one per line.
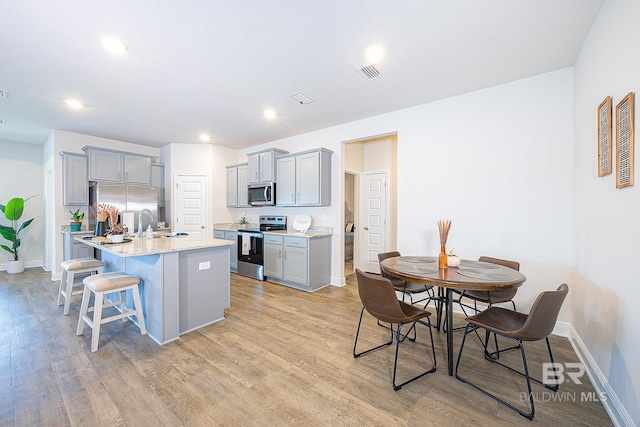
(161,245)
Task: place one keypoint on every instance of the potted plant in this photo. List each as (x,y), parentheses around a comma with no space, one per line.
(76,223)
(13,212)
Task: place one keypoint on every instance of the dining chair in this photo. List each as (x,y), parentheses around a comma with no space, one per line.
(518,327)
(378,298)
(489,297)
(403,286)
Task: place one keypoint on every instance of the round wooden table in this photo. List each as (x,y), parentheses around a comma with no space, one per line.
(470,275)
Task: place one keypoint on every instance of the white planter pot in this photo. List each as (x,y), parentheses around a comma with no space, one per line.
(14,267)
(453,260)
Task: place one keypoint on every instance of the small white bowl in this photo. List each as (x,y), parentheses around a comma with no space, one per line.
(116,238)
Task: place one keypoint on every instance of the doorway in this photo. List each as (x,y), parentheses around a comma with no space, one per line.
(374,161)
(191,202)
(351,182)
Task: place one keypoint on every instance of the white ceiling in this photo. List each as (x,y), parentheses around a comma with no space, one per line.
(214,66)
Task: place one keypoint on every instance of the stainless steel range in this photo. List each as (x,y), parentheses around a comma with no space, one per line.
(251,245)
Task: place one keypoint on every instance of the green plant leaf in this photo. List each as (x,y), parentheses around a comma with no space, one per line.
(25,224)
(8,232)
(8,249)
(13,210)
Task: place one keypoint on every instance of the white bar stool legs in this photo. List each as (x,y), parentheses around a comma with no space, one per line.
(69,269)
(109,283)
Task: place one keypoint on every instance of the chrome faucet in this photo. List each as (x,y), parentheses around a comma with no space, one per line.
(140,231)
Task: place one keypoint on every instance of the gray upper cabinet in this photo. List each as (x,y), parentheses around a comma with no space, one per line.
(137,169)
(232,186)
(237,181)
(243,182)
(74,179)
(304,179)
(262,167)
(157,181)
(115,166)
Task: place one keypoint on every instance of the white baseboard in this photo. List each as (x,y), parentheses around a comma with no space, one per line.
(616,410)
(338,281)
(27,264)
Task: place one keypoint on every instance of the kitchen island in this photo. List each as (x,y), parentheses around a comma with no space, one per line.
(184,281)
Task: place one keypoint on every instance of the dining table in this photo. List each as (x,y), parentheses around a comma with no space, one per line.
(469,275)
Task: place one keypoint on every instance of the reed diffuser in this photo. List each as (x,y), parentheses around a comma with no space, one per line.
(443,227)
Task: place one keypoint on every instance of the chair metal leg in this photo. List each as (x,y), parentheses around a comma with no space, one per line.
(371,349)
(395,360)
(525,374)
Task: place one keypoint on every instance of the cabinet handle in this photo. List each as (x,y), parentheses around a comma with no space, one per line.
(366,228)
(279,253)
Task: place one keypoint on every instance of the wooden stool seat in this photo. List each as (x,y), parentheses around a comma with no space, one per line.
(70,268)
(101,285)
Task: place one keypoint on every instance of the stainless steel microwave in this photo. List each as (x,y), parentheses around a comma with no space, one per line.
(262,194)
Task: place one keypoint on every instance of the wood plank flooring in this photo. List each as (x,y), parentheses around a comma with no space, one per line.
(281,357)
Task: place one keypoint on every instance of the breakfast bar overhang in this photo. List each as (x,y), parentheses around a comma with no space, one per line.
(184,281)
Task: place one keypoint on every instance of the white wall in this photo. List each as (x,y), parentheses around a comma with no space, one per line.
(606,230)
(497,162)
(21,175)
(200,159)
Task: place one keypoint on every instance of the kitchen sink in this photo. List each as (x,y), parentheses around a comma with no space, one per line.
(162,235)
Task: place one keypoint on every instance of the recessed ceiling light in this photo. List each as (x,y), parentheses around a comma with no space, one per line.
(204,137)
(270,114)
(374,54)
(74,103)
(114,45)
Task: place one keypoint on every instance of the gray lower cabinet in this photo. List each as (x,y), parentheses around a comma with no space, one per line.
(300,262)
(296,260)
(230,235)
(273,256)
(73,249)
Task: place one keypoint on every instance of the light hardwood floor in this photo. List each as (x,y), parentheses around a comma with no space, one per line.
(281,357)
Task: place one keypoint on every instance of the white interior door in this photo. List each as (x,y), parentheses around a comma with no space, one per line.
(191,205)
(373,229)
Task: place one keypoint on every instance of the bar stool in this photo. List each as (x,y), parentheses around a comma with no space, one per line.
(101,285)
(70,268)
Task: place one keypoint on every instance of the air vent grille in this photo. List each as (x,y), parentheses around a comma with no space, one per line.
(301,98)
(370,72)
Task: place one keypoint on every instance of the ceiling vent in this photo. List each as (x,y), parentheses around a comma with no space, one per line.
(301,98)
(370,72)
(4,94)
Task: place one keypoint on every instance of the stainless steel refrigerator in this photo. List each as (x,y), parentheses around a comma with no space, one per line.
(131,198)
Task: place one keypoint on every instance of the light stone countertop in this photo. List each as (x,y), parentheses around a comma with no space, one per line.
(310,233)
(158,245)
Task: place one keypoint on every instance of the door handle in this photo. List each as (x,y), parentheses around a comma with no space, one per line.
(202,226)
(366,228)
